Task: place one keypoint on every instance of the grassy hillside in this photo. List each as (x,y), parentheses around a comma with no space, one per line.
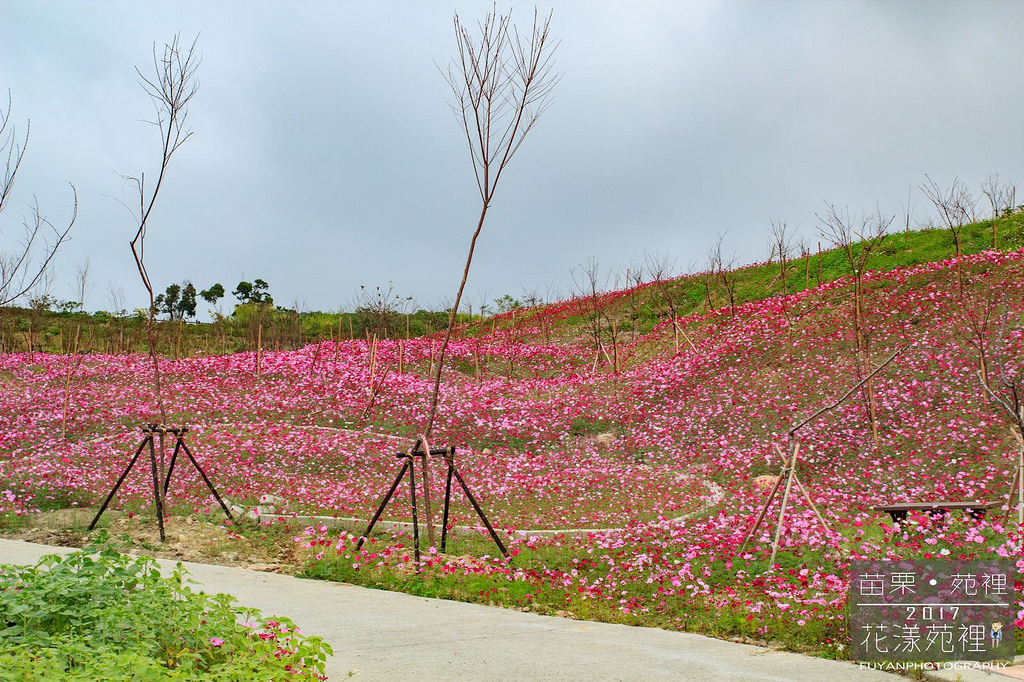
(636,311)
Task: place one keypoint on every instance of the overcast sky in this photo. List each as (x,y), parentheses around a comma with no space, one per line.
(326,156)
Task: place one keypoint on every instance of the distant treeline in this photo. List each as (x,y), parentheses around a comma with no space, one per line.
(39,329)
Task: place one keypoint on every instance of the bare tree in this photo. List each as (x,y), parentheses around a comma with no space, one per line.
(956,208)
(805,255)
(723,270)
(115,294)
(532,297)
(908,211)
(379,309)
(484,305)
(22,266)
(171,89)
(502,83)
(1000,197)
(82,287)
(634,279)
(661,272)
(858,238)
(976,310)
(780,239)
(589,289)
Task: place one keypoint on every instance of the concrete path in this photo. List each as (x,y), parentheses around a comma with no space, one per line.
(392,636)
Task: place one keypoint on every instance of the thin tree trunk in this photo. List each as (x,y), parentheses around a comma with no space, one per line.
(436,391)
(819,263)
(72,366)
(177,343)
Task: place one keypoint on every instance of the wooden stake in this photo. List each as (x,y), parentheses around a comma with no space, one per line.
(795,449)
(177,345)
(316,356)
(476,360)
(373,360)
(512,350)
(764,509)
(259,349)
(72,366)
(615,347)
(429,514)
(1018,481)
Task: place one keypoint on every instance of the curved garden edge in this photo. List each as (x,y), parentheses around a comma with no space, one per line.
(357,526)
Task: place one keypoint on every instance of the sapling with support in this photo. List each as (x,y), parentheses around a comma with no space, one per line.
(150,432)
(422,451)
(857,238)
(171,89)
(501,83)
(788,473)
(1009,397)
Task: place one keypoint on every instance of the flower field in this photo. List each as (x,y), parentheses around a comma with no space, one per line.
(550,439)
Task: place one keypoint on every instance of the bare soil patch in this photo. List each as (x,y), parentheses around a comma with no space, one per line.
(188,538)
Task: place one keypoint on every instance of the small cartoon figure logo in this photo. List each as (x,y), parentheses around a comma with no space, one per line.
(995,635)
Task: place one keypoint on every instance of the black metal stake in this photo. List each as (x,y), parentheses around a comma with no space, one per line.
(150,432)
(119,482)
(383,504)
(479,511)
(448,454)
(447,506)
(156,488)
(174,458)
(415,522)
(202,473)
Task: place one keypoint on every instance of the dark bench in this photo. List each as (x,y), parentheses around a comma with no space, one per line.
(936,510)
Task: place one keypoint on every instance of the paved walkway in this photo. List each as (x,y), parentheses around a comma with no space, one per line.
(393,636)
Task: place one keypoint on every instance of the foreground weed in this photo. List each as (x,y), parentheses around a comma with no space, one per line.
(98,614)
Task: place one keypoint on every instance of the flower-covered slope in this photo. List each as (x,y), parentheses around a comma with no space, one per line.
(550,439)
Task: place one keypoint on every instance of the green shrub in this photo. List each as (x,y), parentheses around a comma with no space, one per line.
(100,615)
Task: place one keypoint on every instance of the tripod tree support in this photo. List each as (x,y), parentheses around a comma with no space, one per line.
(150,431)
(1011,404)
(788,472)
(788,476)
(408,466)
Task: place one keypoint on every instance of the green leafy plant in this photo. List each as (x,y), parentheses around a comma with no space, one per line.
(97,614)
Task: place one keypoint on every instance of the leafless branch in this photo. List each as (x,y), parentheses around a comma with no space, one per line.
(955,206)
(21,268)
(723,270)
(999,194)
(501,85)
